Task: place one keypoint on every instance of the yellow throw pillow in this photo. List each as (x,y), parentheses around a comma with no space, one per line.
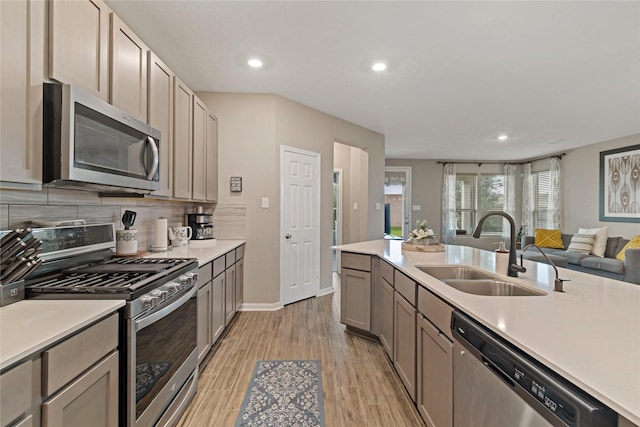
(548,238)
(633,244)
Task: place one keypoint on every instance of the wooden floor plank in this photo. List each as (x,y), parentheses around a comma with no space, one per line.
(360,386)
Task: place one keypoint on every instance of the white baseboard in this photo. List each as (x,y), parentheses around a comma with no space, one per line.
(260,307)
(325,291)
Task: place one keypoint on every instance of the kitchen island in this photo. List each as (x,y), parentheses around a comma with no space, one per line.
(589,334)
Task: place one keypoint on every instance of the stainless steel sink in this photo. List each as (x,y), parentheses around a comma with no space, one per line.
(477,282)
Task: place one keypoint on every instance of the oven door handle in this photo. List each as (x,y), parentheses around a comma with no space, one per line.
(154,317)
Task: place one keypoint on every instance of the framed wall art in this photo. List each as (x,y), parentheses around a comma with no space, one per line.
(620,184)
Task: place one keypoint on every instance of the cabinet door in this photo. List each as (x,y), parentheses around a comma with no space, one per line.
(386,316)
(218,303)
(230,301)
(91,400)
(239,286)
(79,44)
(212,158)
(128,70)
(205,325)
(404,333)
(434,376)
(22,67)
(355,306)
(199,170)
(160,116)
(182,140)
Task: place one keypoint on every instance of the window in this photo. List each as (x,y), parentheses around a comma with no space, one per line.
(477,194)
(541,190)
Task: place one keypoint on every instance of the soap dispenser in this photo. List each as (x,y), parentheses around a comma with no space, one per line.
(502,259)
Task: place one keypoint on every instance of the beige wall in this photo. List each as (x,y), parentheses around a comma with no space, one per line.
(353,162)
(581,187)
(252,129)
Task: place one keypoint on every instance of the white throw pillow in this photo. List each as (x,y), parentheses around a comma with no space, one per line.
(582,243)
(600,243)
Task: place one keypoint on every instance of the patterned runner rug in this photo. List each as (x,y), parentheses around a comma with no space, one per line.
(284,393)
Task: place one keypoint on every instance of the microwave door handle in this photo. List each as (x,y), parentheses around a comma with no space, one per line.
(156,158)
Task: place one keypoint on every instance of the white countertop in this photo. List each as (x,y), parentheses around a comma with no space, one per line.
(30,326)
(204,255)
(590,334)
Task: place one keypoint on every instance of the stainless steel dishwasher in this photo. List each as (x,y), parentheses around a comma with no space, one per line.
(497,385)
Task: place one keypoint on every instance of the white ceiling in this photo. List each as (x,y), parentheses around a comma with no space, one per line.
(552,75)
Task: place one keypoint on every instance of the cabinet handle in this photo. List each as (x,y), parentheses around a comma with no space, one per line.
(287,236)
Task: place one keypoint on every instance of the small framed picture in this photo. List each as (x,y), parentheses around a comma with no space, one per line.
(236,184)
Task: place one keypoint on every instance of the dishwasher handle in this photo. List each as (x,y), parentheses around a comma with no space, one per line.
(504,377)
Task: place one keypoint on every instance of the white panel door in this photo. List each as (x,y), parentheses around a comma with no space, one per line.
(300,224)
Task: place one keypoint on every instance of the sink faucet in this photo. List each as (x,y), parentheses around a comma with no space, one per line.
(511,271)
(557,284)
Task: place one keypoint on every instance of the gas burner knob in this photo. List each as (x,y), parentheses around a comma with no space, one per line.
(162,295)
(173,287)
(149,301)
(193,277)
(184,281)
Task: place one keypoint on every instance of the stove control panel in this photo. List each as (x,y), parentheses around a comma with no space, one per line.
(166,292)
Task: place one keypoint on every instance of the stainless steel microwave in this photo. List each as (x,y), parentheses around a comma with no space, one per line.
(90,144)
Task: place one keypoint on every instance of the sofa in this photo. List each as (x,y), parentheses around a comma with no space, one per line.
(607,266)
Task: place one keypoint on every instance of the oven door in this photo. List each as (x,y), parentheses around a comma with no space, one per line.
(162,356)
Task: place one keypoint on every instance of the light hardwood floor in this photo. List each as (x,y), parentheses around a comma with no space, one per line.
(360,387)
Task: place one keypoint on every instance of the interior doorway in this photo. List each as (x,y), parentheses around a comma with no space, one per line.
(337,216)
(397,204)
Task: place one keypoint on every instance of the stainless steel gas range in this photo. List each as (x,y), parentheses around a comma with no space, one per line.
(158,354)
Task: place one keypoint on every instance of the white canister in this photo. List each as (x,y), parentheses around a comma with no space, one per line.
(126,242)
(502,259)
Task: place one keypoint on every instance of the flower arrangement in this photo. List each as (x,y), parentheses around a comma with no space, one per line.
(422,235)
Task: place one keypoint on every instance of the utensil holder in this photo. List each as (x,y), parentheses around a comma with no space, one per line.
(11,292)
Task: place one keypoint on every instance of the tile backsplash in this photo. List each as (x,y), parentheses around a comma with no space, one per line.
(18,208)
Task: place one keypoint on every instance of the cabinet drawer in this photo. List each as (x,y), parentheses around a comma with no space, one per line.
(15,392)
(240,252)
(67,360)
(219,265)
(386,271)
(205,274)
(406,286)
(436,310)
(230,257)
(356,261)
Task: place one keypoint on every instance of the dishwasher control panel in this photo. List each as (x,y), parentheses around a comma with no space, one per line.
(558,400)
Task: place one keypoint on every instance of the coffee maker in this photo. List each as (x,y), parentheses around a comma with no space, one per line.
(201,224)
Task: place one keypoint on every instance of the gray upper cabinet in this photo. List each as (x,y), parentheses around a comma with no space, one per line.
(212,158)
(128,70)
(79,44)
(160,116)
(199,162)
(182,143)
(22,66)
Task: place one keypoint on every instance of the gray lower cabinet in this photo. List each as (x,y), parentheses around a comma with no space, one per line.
(239,286)
(404,345)
(435,375)
(92,399)
(386,316)
(230,300)
(80,388)
(205,334)
(217,306)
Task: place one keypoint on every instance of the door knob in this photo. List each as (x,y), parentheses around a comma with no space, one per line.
(288,236)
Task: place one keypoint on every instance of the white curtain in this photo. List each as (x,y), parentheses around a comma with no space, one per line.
(509,200)
(449,219)
(528,201)
(554,215)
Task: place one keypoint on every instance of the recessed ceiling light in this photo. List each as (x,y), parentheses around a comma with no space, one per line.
(379,66)
(255,63)
(503,137)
